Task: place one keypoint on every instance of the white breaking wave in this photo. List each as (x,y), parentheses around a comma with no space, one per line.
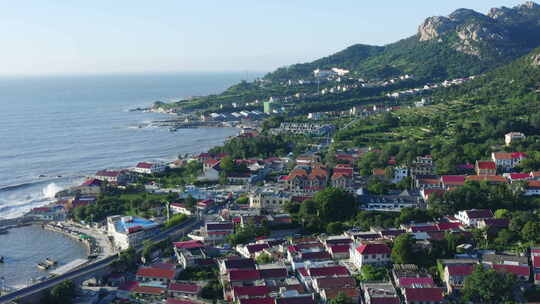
(51,190)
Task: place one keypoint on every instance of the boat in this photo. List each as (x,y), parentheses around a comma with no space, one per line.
(1,259)
(50,262)
(42,266)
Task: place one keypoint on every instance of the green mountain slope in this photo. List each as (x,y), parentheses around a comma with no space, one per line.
(463,44)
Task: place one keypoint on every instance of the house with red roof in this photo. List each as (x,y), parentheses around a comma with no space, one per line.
(380,293)
(184,290)
(241,277)
(213,232)
(339,252)
(532,188)
(521,272)
(329,283)
(330,271)
(250,292)
(163,273)
(485,168)
(455,275)
(517,177)
(179,208)
(470,218)
(120,177)
(507,161)
(250,250)
(370,253)
(428,295)
(191,253)
(232,263)
(149,168)
(331,293)
(307,179)
(452,181)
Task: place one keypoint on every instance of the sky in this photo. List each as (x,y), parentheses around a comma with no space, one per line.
(140,36)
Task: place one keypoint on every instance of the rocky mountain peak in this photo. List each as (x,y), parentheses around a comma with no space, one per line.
(529,5)
(536,60)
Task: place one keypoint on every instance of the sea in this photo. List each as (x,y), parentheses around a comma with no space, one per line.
(55,131)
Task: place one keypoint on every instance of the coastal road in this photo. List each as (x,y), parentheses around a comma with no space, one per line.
(88,269)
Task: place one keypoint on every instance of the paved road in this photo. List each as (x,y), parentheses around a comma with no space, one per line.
(98,265)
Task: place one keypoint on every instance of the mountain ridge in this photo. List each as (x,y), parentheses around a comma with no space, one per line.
(463,43)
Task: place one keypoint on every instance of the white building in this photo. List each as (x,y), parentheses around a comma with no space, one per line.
(472,217)
(513,136)
(149,168)
(370,253)
(268,200)
(128,231)
(400,173)
(507,160)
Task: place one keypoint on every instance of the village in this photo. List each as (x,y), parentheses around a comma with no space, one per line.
(251,244)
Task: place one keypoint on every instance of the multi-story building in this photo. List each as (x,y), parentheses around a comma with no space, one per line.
(128,231)
(269,200)
(370,253)
(149,168)
(307,179)
(507,161)
(485,168)
(511,137)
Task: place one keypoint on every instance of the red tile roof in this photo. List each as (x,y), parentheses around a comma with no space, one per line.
(328,271)
(453,179)
(460,270)
(340,248)
(349,292)
(144,165)
(149,290)
(486,165)
(253,291)
(189,244)
(273,273)
(424,228)
(424,294)
(244,275)
(323,283)
(178,301)
(296,300)
(448,226)
(256,247)
(422,281)
(514,269)
(373,248)
(517,176)
(320,255)
(479,213)
(239,263)
(536,261)
(385,300)
(153,272)
(258,301)
(186,288)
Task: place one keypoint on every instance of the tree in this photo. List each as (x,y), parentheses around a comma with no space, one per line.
(489,286)
(190,201)
(502,213)
(227,164)
(341,298)
(335,204)
(402,251)
(264,258)
(372,273)
(531,232)
(334,228)
(61,293)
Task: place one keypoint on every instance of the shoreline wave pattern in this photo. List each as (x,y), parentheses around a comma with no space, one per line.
(56,125)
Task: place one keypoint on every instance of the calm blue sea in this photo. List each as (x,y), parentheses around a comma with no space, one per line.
(64,128)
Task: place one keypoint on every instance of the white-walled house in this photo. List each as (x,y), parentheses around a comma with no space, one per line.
(472,217)
(400,173)
(370,253)
(149,168)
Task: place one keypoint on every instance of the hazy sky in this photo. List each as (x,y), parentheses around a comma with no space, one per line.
(136,36)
